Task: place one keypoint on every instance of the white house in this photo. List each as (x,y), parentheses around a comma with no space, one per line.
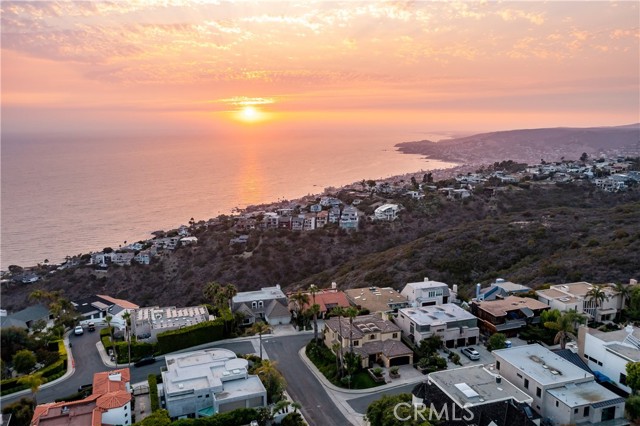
(453,324)
(386,212)
(206,382)
(349,218)
(562,392)
(574,297)
(425,293)
(608,353)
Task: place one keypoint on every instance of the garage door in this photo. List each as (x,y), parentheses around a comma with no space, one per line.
(401,360)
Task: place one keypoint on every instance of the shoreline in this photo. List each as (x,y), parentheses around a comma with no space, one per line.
(438,174)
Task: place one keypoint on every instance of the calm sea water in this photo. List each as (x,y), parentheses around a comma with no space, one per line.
(64,196)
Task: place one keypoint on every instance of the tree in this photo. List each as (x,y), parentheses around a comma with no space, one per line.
(63,311)
(632,407)
(21,412)
(127,329)
(272,380)
(315,310)
(108,320)
(382,412)
(597,294)
(339,311)
(496,341)
(293,419)
(24,361)
(565,327)
(633,376)
(157,418)
(259,328)
(313,290)
(299,299)
(624,291)
(351,312)
(296,406)
(33,381)
(584,157)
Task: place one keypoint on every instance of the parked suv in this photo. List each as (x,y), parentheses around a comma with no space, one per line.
(471,353)
(91,326)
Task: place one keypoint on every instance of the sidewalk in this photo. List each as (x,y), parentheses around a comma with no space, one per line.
(340,396)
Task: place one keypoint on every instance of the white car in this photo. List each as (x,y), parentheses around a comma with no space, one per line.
(78,330)
(471,353)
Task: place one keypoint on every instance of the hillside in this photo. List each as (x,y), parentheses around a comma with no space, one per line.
(530,145)
(545,234)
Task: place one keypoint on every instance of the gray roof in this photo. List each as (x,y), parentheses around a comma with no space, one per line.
(6,322)
(276,309)
(362,325)
(590,393)
(541,364)
(389,348)
(31,313)
(432,315)
(266,293)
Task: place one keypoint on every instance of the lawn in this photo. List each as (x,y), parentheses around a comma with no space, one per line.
(325,361)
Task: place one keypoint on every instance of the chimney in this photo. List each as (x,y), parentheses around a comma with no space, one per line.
(629,328)
(334,285)
(455,288)
(583,330)
(633,282)
(498,379)
(278,286)
(426,279)
(115,377)
(478,291)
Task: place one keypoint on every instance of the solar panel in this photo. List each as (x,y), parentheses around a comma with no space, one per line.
(466,390)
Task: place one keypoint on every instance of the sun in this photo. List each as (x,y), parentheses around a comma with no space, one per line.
(249,114)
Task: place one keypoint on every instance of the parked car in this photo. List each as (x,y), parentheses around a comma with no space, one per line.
(507,344)
(471,353)
(91,326)
(145,361)
(85,388)
(78,331)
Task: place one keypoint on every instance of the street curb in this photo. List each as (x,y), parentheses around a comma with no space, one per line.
(71,369)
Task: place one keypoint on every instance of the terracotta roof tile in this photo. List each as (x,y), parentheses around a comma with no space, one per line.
(113,399)
(120,302)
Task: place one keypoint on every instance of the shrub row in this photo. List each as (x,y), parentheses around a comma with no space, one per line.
(153,392)
(49,373)
(239,417)
(198,334)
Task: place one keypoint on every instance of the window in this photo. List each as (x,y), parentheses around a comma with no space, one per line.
(254,305)
(586,411)
(519,375)
(600,363)
(575,411)
(126,414)
(623,379)
(526,383)
(206,396)
(356,342)
(538,392)
(497,365)
(260,304)
(372,336)
(395,335)
(557,404)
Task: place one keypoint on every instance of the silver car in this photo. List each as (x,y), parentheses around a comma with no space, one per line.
(471,353)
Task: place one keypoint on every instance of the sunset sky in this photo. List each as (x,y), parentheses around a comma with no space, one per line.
(136,66)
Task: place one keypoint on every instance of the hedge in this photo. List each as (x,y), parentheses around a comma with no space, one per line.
(198,334)
(153,392)
(49,373)
(239,417)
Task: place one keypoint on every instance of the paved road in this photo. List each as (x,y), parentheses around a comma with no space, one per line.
(360,404)
(303,387)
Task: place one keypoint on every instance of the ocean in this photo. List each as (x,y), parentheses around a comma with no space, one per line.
(69,195)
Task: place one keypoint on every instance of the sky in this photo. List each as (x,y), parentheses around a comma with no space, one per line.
(196,66)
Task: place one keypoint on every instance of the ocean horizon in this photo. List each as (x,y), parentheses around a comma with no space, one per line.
(66,195)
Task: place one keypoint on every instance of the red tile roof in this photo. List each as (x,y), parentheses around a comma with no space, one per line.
(331,298)
(120,302)
(113,399)
(103,385)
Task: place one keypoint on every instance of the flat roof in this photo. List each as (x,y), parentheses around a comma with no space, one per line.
(500,307)
(169,317)
(437,314)
(630,352)
(541,364)
(475,385)
(552,293)
(509,286)
(576,395)
(240,388)
(265,293)
(426,284)
(581,288)
(375,299)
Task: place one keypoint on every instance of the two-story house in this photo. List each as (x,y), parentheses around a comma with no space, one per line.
(507,315)
(561,391)
(269,304)
(349,218)
(386,212)
(377,299)
(426,293)
(575,297)
(500,289)
(455,326)
(374,339)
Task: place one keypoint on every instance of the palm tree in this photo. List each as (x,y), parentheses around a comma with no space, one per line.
(624,292)
(339,311)
(315,310)
(272,380)
(281,405)
(33,381)
(351,312)
(108,319)
(300,299)
(597,295)
(313,290)
(127,328)
(296,406)
(259,328)
(565,327)
(336,349)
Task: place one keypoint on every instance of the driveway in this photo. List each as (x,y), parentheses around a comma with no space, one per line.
(303,387)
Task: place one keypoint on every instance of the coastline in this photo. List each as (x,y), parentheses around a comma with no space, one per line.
(438,174)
